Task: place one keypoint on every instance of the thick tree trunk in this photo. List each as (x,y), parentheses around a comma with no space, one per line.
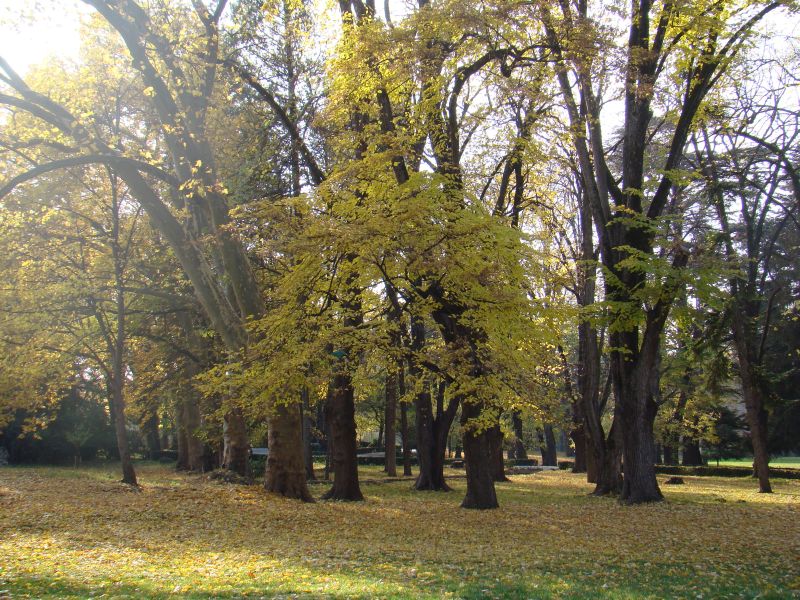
(305,416)
(236,449)
(639,451)
(195,448)
(591,463)
(404,435)
(150,430)
(547,446)
(406,449)
(181,436)
(341,418)
(670,456)
(495,435)
(691,453)
(753,398)
(431,442)
(286,472)
(390,462)
(519,446)
(578,436)
(477,458)
(608,462)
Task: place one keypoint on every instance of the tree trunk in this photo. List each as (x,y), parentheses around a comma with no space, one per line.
(578,437)
(406,449)
(121,431)
(477,458)
(592,468)
(753,397)
(390,454)
(608,462)
(519,446)
(691,453)
(286,472)
(670,456)
(341,417)
(547,440)
(431,443)
(236,446)
(305,416)
(150,430)
(195,448)
(639,451)
(404,435)
(181,436)
(495,435)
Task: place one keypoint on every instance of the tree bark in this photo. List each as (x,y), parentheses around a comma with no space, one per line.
(519,445)
(495,435)
(121,431)
(390,454)
(181,436)
(431,443)
(691,453)
(578,437)
(150,430)
(477,459)
(753,397)
(236,446)
(547,442)
(608,462)
(638,413)
(341,417)
(305,416)
(286,472)
(670,456)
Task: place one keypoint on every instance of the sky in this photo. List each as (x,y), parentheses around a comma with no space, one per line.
(25,41)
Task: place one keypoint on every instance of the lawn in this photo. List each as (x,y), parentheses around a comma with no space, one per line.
(779,462)
(67,533)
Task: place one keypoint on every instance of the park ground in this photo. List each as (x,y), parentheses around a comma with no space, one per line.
(77,533)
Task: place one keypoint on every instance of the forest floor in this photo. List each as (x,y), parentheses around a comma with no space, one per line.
(77,533)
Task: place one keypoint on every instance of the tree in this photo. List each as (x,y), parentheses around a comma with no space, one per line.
(668,44)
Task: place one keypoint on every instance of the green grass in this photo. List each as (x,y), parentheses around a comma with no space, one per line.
(780,462)
(67,533)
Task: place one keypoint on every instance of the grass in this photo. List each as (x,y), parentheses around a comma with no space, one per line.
(67,533)
(780,462)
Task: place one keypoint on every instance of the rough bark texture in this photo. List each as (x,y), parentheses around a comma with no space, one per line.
(432,434)
(390,416)
(691,453)
(639,451)
(307,420)
(118,406)
(519,446)
(341,417)
(152,439)
(608,465)
(477,459)
(547,446)
(180,437)
(578,437)
(404,435)
(670,456)
(236,445)
(495,435)
(753,397)
(286,473)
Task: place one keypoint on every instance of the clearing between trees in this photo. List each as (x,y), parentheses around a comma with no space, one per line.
(78,533)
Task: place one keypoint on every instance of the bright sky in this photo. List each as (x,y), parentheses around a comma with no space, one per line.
(25,40)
